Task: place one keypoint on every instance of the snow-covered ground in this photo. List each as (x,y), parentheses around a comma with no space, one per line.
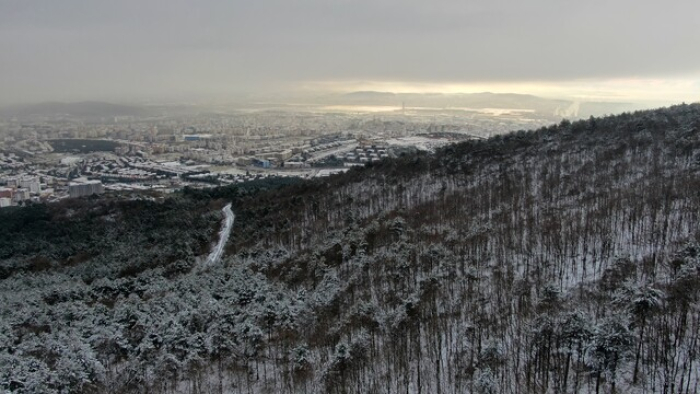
(421,143)
(215,254)
(329,172)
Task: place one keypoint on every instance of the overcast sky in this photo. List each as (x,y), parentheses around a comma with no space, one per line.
(121,50)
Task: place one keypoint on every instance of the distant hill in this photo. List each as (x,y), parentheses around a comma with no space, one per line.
(559,260)
(97,111)
(544,106)
(369,97)
(476,100)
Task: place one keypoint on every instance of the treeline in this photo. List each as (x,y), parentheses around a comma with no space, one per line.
(587,209)
(95,238)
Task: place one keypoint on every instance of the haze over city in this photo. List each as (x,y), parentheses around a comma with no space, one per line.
(179,51)
(345,197)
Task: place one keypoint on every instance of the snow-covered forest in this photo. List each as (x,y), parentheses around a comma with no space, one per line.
(564,259)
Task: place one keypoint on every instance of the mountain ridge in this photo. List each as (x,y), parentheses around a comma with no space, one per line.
(483,100)
(562,259)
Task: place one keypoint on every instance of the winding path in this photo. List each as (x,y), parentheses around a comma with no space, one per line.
(215,254)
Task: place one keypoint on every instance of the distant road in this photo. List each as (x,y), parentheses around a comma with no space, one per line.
(215,254)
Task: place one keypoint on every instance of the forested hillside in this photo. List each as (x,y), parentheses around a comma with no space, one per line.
(564,259)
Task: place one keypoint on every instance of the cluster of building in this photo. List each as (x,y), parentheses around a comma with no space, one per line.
(18,190)
(50,176)
(85,187)
(373,153)
(166,153)
(10,162)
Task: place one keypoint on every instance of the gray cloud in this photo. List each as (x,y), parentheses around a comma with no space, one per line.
(74,49)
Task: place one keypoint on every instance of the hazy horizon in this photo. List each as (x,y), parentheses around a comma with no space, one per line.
(178,51)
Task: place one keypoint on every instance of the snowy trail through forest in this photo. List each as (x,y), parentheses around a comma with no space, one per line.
(215,254)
